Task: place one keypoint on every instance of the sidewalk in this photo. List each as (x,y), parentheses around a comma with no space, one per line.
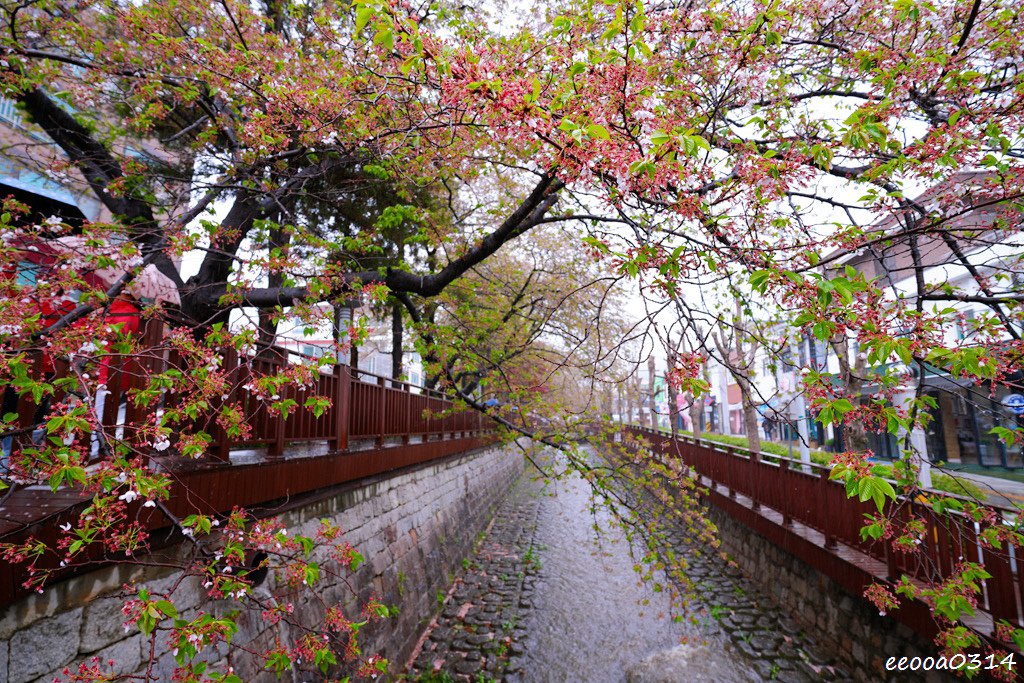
(1001,491)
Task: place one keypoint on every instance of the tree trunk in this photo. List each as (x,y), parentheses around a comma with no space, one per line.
(396,341)
(267,326)
(638,393)
(853,434)
(750,423)
(696,412)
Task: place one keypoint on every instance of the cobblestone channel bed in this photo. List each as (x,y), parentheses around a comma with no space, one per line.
(545,599)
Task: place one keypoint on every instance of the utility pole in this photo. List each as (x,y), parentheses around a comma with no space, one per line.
(798,413)
(918,444)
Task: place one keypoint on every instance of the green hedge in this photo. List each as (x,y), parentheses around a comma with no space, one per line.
(940,482)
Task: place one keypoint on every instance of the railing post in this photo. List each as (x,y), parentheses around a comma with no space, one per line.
(823,517)
(408,414)
(342,405)
(730,453)
(429,411)
(891,568)
(1002,600)
(787,520)
(276,447)
(382,409)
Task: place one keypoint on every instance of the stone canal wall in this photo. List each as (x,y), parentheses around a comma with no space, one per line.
(414,528)
(846,625)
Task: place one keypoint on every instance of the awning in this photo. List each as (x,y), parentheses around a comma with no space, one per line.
(150,285)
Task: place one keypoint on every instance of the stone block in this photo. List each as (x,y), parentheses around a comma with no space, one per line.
(163,667)
(122,657)
(47,645)
(436,512)
(102,623)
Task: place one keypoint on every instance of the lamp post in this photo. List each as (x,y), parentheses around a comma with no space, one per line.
(342,323)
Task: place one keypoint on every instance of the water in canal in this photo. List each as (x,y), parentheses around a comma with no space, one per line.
(589,620)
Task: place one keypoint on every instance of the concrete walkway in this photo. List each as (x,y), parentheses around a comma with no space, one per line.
(1000,491)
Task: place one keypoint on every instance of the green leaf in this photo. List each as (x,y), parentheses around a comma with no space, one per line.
(1004,434)
(278,662)
(842,406)
(363,16)
(822,330)
(167,608)
(385,38)
(759,279)
(356,560)
(903,351)
(844,289)
(596,130)
(883,490)
(803,319)
(535,93)
(1018,638)
(700,142)
(659,138)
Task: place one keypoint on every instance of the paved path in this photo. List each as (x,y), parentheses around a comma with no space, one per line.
(479,629)
(545,599)
(1000,491)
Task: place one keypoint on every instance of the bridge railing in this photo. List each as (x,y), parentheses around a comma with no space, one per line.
(396,423)
(802,493)
(362,405)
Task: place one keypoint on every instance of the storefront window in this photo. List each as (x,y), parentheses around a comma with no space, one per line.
(1007,409)
(990,449)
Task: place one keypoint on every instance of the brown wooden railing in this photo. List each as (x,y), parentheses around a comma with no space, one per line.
(395,423)
(787,499)
(363,405)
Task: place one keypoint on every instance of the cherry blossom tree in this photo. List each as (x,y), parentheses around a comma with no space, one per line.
(676,140)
